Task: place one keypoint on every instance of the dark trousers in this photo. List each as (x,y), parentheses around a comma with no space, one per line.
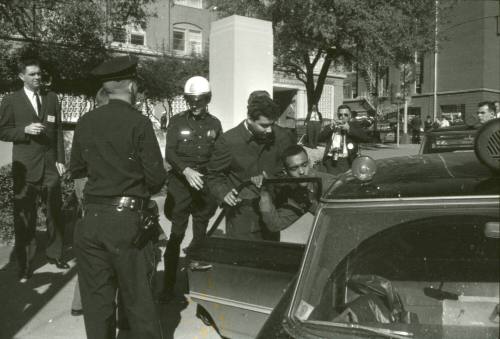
(106,261)
(26,195)
(336,167)
(183,201)
(313,129)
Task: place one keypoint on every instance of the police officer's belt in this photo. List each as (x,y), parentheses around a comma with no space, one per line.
(131,203)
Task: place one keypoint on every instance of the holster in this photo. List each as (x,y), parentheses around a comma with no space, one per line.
(150,228)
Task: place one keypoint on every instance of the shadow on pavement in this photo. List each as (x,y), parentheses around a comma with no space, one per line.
(170,314)
(21,302)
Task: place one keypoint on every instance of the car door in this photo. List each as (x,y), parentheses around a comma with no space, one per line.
(237,283)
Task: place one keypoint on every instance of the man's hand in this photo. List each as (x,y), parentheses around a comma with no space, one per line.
(35,128)
(231,198)
(258,179)
(345,127)
(194,178)
(61,169)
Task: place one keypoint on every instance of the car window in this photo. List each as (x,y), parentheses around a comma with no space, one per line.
(430,271)
(282,210)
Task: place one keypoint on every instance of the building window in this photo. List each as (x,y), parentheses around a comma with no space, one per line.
(190,3)
(187,41)
(120,35)
(137,39)
(129,35)
(454,113)
(419,73)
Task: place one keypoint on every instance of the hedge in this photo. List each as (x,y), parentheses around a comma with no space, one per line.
(7,203)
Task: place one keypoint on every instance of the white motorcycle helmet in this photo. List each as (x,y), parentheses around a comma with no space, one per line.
(197,93)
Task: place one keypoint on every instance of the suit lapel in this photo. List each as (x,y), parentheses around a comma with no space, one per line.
(29,106)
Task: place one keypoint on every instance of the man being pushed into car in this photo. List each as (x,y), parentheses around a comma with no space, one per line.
(286,203)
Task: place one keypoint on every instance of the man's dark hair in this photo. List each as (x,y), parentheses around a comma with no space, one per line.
(344,106)
(258,93)
(23,63)
(490,104)
(290,151)
(262,106)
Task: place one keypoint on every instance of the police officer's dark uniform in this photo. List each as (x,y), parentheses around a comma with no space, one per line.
(190,142)
(116,147)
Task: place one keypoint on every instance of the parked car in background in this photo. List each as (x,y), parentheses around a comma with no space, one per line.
(449,139)
(399,248)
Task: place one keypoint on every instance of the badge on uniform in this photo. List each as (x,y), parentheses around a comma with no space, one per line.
(211,133)
(185,132)
(51,118)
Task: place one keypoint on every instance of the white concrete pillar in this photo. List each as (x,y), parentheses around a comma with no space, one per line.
(301,104)
(241,61)
(5,153)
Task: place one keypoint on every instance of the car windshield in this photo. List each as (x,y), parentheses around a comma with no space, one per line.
(410,271)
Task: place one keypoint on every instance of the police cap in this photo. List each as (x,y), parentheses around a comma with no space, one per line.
(117,68)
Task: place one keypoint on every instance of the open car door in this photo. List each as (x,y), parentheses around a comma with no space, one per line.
(237,282)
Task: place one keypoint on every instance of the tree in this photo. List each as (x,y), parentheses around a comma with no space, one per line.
(165,76)
(311,36)
(70,36)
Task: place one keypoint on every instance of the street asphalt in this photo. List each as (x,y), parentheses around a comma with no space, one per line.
(40,308)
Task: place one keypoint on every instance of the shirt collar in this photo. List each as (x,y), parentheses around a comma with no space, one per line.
(247,136)
(30,93)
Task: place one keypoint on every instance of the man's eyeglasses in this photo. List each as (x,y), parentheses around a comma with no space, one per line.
(343,115)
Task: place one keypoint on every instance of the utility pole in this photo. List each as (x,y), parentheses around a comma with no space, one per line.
(435,60)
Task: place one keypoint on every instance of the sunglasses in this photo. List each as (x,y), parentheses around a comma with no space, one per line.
(343,115)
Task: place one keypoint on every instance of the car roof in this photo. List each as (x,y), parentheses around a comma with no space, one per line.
(427,175)
(454,129)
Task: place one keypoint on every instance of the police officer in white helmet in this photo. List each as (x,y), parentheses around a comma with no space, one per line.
(191,136)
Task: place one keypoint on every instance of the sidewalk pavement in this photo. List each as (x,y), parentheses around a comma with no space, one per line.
(40,309)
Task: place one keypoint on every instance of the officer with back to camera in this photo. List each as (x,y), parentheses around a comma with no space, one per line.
(116,148)
(191,136)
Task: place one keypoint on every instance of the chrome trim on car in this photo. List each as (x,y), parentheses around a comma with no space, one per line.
(230,302)
(407,199)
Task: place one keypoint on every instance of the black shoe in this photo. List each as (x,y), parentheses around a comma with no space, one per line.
(59,263)
(76,313)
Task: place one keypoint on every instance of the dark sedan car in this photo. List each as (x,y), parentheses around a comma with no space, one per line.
(449,139)
(399,248)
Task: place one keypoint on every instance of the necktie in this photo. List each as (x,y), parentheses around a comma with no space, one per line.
(38,104)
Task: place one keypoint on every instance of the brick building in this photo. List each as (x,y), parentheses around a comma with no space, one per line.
(468,67)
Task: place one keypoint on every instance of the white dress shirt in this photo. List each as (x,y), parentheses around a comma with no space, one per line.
(31,96)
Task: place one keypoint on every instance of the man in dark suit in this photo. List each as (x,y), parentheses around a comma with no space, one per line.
(248,151)
(31,119)
(342,138)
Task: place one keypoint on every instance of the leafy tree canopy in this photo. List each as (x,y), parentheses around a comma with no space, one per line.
(164,77)
(69,36)
(310,36)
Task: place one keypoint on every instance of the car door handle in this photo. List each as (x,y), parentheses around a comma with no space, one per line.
(200,266)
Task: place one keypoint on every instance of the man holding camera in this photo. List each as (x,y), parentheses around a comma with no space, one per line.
(342,137)
(116,148)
